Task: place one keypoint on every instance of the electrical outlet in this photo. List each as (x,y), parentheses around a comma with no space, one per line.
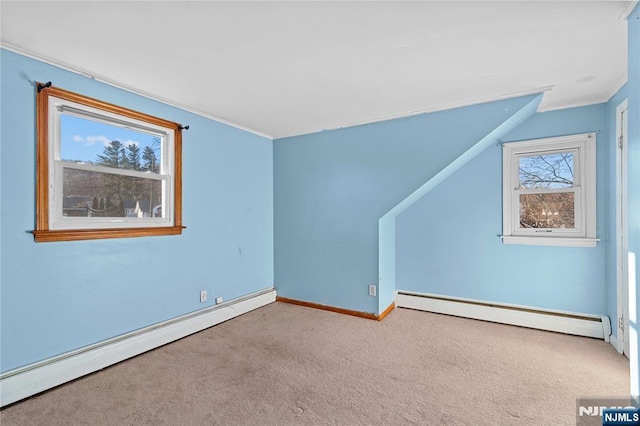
(218,300)
(203,296)
(372,289)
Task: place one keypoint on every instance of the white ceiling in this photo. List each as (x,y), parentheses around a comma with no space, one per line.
(287,68)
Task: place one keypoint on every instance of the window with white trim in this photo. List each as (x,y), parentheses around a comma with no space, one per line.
(104,171)
(549,191)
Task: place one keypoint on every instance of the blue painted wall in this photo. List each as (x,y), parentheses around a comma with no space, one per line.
(447,243)
(57,297)
(330,189)
(633,88)
(387,223)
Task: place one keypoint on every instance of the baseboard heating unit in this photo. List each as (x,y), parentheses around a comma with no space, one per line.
(34,378)
(597,326)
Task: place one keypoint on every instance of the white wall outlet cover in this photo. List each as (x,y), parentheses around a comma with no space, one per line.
(203,295)
(218,300)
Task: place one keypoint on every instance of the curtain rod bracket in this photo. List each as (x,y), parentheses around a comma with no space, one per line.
(41,86)
(181,127)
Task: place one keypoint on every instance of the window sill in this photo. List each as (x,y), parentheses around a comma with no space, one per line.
(550,241)
(95,234)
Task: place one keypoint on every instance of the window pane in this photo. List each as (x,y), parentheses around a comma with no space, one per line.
(547,210)
(547,171)
(91,142)
(93,194)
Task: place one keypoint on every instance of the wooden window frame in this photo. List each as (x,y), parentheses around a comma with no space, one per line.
(43,233)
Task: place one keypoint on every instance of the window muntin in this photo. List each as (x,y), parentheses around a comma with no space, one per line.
(105,171)
(549,191)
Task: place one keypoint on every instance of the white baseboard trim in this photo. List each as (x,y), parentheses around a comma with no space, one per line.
(29,380)
(597,326)
(614,342)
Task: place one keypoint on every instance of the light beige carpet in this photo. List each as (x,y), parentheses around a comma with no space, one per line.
(290,365)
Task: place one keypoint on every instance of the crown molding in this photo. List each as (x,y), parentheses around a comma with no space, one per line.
(47,60)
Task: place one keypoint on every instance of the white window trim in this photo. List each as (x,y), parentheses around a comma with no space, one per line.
(584,235)
(57,221)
